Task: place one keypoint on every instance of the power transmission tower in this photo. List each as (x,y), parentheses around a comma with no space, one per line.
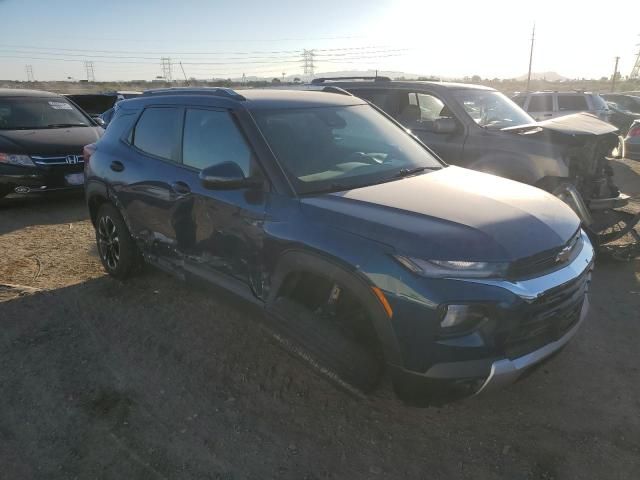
(88,66)
(166,68)
(635,71)
(29,70)
(307,58)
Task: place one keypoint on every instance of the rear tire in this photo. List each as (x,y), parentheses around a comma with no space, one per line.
(117,249)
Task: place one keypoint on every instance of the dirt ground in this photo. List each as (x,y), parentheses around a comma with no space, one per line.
(154,379)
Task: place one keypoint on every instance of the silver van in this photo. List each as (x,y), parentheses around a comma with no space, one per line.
(545,105)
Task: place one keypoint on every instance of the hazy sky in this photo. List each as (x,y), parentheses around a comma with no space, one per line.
(490,38)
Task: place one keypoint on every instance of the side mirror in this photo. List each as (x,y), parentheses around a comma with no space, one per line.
(226,176)
(444,125)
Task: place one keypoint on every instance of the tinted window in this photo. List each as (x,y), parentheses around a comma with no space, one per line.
(26,113)
(519,101)
(572,103)
(212,137)
(540,103)
(158,132)
(431,107)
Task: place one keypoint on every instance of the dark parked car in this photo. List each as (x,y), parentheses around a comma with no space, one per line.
(625,109)
(42,136)
(632,141)
(95,104)
(480,128)
(363,248)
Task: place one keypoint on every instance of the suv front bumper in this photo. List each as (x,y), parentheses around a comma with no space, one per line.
(443,382)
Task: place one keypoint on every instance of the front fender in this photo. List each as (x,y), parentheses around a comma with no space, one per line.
(297,260)
(528,169)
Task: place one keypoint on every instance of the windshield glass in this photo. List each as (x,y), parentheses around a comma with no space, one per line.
(491,109)
(337,148)
(22,113)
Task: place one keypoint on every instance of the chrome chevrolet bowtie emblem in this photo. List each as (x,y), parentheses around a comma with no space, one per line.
(564,254)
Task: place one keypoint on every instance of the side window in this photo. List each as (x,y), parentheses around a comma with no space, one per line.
(212,137)
(540,103)
(158,132)
(572,103)
(431,107)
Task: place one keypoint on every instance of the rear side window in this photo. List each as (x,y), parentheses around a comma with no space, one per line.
(158,132)
(519,101)
(572,103)
(540,103)
(212,137)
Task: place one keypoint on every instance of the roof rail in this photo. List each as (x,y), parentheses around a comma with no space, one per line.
(215,91)
(332,89)
(315,81)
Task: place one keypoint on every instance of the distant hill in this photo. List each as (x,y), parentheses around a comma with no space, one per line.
(548,76)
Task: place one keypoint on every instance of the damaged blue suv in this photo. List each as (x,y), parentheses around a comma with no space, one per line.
(367,253)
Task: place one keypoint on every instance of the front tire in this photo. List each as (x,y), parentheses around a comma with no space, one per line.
(117,249)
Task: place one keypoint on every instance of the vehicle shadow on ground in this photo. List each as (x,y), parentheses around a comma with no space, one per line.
(43,210)
(627,178)
(156,379)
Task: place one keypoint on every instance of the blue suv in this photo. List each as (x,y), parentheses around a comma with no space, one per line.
(367,253)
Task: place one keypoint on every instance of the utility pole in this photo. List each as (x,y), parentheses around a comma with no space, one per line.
(615,75)
(165,63)
(244,79)
(184,74)
(283,74)
(307,58)
(533,37)
(29,70)
(88,66)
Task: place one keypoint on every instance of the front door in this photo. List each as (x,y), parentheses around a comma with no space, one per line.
(220,232)
(418,111)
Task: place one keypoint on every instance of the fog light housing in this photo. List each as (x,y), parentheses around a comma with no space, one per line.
(461,318)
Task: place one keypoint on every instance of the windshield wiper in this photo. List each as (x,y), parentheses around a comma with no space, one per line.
(64,125)
(405,172)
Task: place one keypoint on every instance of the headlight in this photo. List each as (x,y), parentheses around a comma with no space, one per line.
(453,268)
(22,160)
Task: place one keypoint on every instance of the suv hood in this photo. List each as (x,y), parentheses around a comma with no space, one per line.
(451,214)
(50,141)
(575,124)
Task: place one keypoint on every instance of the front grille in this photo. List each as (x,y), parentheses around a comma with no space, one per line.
(547,319)
(546,261)
(57,160)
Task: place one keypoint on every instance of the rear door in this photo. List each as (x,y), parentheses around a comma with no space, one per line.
(155,194)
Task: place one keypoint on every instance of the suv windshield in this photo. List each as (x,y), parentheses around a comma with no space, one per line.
(338,148)
(491,109)
(26,113)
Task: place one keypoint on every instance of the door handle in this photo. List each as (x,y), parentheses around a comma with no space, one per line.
(117,166)
(181,188)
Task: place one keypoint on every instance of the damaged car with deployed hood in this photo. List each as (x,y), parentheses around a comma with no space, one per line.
(42,136)
(364,250)
(478,127)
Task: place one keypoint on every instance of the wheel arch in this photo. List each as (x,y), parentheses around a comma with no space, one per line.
(298,261)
